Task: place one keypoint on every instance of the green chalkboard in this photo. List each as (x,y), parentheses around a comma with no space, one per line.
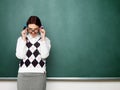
(84,34)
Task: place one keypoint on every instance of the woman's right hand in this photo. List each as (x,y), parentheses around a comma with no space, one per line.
(24,34)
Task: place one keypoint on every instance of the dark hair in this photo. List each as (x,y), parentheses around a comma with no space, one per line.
(34,20)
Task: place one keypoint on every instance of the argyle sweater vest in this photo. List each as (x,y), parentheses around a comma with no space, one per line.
(32,63)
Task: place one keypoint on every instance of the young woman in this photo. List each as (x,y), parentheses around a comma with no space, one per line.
(32,48)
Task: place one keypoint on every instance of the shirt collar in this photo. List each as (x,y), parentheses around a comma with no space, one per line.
(30,37)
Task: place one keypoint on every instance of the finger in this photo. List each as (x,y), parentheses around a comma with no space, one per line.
(41,27)
(42,31)
(23,31)
(26,30)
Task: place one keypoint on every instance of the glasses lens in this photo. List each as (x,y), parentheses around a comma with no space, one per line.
(33,30)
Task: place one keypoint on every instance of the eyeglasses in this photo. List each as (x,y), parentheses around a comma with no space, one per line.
(32,30)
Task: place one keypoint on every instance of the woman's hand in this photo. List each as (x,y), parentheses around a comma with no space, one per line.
(42,32)
(24,34)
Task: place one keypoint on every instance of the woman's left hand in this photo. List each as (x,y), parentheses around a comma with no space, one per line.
(42,32)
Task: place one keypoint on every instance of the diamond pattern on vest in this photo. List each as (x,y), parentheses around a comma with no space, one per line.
(36,53)
(28,44)
(32,55)
(27,62)
(35,62)
(21,62)
(41,63)
(29,53)
(37,44)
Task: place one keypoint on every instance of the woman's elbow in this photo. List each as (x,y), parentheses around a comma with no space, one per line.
(45,55)
(19,56)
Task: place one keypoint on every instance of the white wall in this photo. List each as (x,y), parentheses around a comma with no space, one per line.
(69,85)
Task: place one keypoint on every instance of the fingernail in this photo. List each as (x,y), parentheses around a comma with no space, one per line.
(41,27)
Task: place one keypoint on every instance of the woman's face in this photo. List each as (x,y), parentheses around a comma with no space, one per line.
(33,29)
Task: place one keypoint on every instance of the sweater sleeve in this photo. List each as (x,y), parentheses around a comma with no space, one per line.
(20,48)
(45,48)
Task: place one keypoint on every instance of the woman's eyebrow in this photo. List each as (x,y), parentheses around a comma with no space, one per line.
(32,28)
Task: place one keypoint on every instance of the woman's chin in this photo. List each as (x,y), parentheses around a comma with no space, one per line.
(33,34)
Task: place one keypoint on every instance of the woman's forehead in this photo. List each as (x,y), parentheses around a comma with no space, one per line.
(32,26)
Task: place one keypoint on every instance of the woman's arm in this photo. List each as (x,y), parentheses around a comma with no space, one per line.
(45,48)
(20,48)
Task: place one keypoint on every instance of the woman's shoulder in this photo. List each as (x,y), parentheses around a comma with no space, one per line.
(20,39)
(47,39)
